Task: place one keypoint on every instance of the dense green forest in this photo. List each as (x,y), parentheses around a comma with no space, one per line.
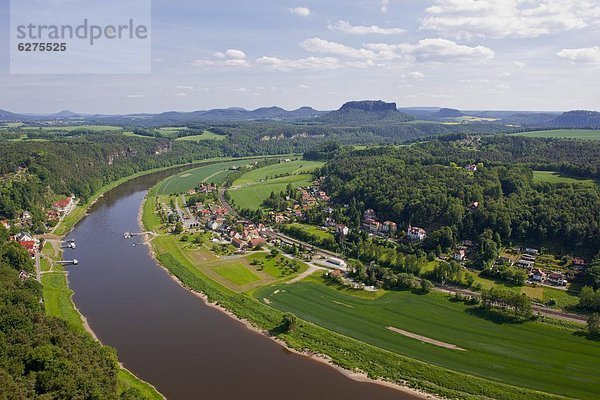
(43,357)
(427,185)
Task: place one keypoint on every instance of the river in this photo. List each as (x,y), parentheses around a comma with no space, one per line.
(170,337)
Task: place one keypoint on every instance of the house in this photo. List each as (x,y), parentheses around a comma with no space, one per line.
(239,243)
(23,275)
(372,225)
(389,227)
(459,255)
(471,167)
(342,229)
(525,264)
(370,213)
(5,223)
(532,251)
(214,224)
(30,246)
(24,237)
(65,205)
(258,241)
(415,233)
(556,278)
(25,216)
(538,275)
(579,263)
(474,205)
(335,274)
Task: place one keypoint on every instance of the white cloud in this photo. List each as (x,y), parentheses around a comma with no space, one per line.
(519,64)
(181,94)
(312,63)
(229,58)
(510,18)
(240,90)
(586,55)
(436,50)
(184,87)
(301,11)
(232,54)
(303,86)
(317,45)
(346,27)
(136,96)
(416,75)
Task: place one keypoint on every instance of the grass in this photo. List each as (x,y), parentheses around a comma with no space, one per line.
(314,231)
(584,134)
(44,264)
(275,267)
(555,177)
(127,380)
(206,135)
(295,167)
(343,350)
(57,299)
(531,355)
(236,273)
(253,196)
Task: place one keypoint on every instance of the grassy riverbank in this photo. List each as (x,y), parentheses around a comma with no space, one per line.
(349,353)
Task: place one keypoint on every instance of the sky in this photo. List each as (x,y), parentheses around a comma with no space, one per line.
(466,54)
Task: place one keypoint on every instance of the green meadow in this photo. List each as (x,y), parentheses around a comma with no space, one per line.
(252,196)
(555,177)
(206,135)
(236,273)
(533,354)
(295,167)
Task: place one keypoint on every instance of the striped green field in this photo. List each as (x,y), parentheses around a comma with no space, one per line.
(187,180)
(237,273)
(532,354)
(295,167)
(584,134)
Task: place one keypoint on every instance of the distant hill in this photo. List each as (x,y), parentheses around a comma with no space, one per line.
(8,116)
(366,112)
(578,119)
(448,113)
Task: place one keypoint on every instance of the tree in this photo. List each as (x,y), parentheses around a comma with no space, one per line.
(593,324)
(426,285)
(288,323)
(178,228)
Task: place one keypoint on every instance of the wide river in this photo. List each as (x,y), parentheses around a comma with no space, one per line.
(168,336)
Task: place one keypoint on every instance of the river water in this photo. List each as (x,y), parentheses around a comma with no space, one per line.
(168,336)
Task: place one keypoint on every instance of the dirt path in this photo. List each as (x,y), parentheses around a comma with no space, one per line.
(311,269)
(425,339)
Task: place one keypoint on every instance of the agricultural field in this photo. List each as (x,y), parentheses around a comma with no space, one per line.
(295,167)
(584,134)
(253,196)
(555,177)
(187,180)
(206,135)
(448,334)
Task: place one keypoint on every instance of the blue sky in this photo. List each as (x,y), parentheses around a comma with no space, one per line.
(467,54)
